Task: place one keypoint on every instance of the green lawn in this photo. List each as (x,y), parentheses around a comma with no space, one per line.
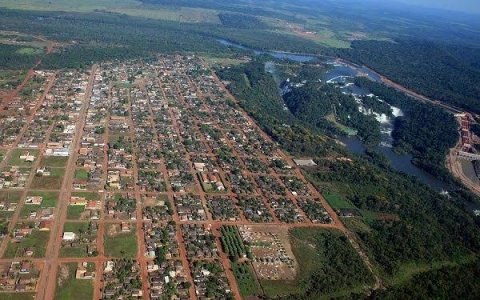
(246,280)
(337,201)
(76,227)
(74,211)
(17,296)
(50,199)
(37,240)
(81,174)
(29,51)
(121,245)
(72,288)
(55,161)
(15,157)
(10,196)
(87,195)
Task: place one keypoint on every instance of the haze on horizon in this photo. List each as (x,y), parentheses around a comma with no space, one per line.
(467,6)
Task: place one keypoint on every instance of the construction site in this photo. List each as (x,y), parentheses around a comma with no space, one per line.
(464,159)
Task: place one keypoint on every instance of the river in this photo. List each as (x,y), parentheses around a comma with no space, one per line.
(341,72)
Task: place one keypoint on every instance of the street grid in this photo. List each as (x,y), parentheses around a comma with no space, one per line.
(160,155)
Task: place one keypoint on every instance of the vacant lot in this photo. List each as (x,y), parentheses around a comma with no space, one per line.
(120,244)
(55,161)
(51,182)
(81,174)
(36,241)
(18,296)
(68,287)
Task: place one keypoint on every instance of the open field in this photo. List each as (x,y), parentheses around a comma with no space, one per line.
(75,211)
(81,174)
(68,287)
(120,244)
(66,5)
(181,14)
(50,182)
(16,160)
(10,196)
(29,51)
(55,161)
(127,7)
(337,201)
(18,296)
(36,241)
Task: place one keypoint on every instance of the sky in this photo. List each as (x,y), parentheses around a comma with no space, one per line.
(471,6)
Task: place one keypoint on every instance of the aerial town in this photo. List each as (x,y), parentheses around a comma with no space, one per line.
(144,179)
(126,175)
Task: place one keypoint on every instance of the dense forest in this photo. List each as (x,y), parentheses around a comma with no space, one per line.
(439,284)
(403,221)
(425,130)
(100,34)
(312,103)
(440,71)
(11,57)
(327,250)
(257,93)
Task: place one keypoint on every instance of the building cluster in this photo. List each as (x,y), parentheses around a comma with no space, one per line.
(18,276)
(162,158)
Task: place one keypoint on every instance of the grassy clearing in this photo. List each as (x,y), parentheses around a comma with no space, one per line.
(127,7)
(337,201)
(122,245)
(49,198)
(66,5)
(37,241)
(181,14)
(74,211)
(76,227)
(87,195)
(408,271)
(55,161)
(15,157)
(10,196)
(18,296)
(29,51)
(81,174)
(347,130)
(246,280)
(223,61)
(52,182)
(72,288)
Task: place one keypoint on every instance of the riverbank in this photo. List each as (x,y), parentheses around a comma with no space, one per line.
(399,162)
